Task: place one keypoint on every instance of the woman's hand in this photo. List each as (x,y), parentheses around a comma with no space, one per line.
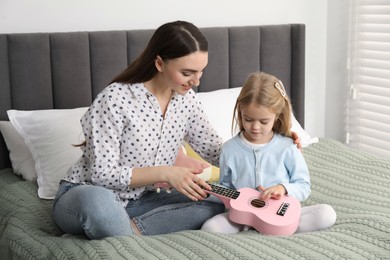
(186,182)
(182,160)
(296,139)
(183,179)
(274,192)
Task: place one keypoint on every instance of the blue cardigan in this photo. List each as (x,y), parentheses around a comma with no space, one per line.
(278,162)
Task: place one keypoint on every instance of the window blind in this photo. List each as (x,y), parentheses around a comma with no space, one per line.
(368,106)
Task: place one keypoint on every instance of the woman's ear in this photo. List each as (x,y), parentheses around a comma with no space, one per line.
(158,62)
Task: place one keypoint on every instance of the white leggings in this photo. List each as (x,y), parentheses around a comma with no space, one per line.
(313,218)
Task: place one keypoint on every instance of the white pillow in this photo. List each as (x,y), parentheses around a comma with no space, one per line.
(21,158)
(219,106)
(49,135)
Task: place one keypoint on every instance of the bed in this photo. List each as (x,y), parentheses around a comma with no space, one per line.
(48,80)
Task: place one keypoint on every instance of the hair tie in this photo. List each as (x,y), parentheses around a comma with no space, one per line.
(280,87)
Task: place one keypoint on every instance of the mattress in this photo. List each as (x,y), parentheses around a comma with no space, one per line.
(356,184)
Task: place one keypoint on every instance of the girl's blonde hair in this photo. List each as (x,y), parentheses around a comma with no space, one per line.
(268,91)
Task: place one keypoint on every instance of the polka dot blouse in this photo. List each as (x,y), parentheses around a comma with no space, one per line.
(124,129)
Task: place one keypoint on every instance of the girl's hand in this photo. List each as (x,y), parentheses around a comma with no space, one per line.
(274,192)
(186,182)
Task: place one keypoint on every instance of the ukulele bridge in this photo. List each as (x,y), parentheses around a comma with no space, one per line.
(283,208)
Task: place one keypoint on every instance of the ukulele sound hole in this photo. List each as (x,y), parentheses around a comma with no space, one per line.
(257,203)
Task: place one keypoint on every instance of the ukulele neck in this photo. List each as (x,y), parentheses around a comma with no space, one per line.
(224,194)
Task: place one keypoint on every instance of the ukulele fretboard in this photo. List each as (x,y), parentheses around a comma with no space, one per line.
(226,192)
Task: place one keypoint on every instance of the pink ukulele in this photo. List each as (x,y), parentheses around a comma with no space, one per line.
(271,217)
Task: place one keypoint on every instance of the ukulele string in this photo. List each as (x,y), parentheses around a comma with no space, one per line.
(234,194)
(270,204)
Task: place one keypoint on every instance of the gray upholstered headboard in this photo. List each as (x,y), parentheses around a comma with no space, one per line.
(67,70)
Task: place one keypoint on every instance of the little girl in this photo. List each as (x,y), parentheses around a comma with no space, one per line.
(262,155)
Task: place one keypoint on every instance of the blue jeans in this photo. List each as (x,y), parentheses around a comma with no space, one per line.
(97,212)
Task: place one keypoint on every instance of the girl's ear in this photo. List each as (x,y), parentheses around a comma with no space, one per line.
(158,62)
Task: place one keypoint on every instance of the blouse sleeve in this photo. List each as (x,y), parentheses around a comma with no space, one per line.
(103,126)
(202,136)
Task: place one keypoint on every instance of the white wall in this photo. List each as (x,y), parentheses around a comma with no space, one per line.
(336,69)
(19,16)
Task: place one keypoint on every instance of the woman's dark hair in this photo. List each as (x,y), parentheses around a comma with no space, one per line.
(171,40)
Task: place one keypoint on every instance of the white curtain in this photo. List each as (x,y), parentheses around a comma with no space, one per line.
(368,108)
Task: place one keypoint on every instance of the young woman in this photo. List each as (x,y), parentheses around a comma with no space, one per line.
(262,156)
(133,132)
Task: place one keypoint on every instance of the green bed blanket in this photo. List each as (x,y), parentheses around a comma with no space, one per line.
(357,185)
